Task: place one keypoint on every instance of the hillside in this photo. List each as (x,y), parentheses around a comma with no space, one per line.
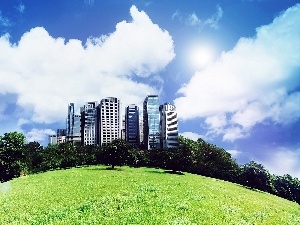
(95,195)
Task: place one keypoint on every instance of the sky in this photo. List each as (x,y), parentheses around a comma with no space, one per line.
(231,67)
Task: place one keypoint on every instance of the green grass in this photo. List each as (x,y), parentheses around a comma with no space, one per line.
(94,195)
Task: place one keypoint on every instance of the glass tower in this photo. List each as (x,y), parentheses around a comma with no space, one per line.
(132,133)
(151,120)
(73,125)
(89,123)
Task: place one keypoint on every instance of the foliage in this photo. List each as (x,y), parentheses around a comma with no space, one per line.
(33,152)
(287,187)
(116,153)
(254,175)
(213,161)
(94,195)
(11,155)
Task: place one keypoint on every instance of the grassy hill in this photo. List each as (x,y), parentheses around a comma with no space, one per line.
(95,195)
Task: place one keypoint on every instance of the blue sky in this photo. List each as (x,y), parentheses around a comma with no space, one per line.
(231,67)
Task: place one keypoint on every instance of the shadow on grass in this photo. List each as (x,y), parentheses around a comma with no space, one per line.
(167,171)
(106,168)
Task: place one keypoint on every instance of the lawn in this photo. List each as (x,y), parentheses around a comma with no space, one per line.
(95,195)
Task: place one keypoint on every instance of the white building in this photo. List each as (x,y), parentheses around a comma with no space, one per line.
(168,126)
(109,120)
(53,139)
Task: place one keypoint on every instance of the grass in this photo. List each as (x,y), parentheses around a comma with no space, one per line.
(95,195)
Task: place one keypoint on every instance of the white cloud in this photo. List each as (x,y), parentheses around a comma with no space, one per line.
(89,3)
(252,83)
(38,134)
(283,161)
(4,21)
(194,21)
(21,7)
(234,153)
(192,136)
(48,73)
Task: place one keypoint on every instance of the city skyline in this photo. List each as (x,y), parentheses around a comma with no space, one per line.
(231,68)
(100,123)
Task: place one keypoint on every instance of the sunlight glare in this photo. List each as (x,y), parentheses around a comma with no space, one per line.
(201,56)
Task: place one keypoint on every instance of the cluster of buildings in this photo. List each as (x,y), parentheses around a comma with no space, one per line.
(100,123)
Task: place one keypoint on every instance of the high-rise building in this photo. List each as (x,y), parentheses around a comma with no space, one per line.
(61,136)
(132,133)
(109,120)
(53,139)
(168,126)
(123,132)
(151,122)
(73,125)
(89,128)
(141,131)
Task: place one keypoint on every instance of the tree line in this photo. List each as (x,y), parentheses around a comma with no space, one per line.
(18,158)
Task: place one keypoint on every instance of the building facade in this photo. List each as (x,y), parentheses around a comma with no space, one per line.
(89,128)
(53,139)
(132,128)
(109,120)
(73,125)
(151,120)
(168,126)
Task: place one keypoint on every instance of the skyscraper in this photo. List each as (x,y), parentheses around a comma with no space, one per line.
(109,120)
(168,126)
(61,136)
(89,128)
(73,125)
(151,122)
(132,133)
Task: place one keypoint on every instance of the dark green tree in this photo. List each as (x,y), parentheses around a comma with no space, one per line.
(33,153)
(11,156)
(287,187)
(116,153)
(255,175)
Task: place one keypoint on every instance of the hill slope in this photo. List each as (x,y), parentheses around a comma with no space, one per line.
(94,195)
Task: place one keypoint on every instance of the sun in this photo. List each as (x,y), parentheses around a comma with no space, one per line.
(200,56)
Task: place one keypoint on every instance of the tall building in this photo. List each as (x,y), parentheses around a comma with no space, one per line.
(123,129)
(168,126)
(151,122)
(53,139)
(73,125)
(89,128)
(109,120)
(61,136)
(132,133)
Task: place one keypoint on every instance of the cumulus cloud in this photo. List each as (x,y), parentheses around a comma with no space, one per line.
(38,134)
(283,161)
(255,82)
(234,153)
(194,21)
(191,135)
(47,73)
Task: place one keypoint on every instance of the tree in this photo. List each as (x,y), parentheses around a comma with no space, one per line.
(216,162)
(11,155)
(33,152)
(287,187)
(254,175)
(116,153)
